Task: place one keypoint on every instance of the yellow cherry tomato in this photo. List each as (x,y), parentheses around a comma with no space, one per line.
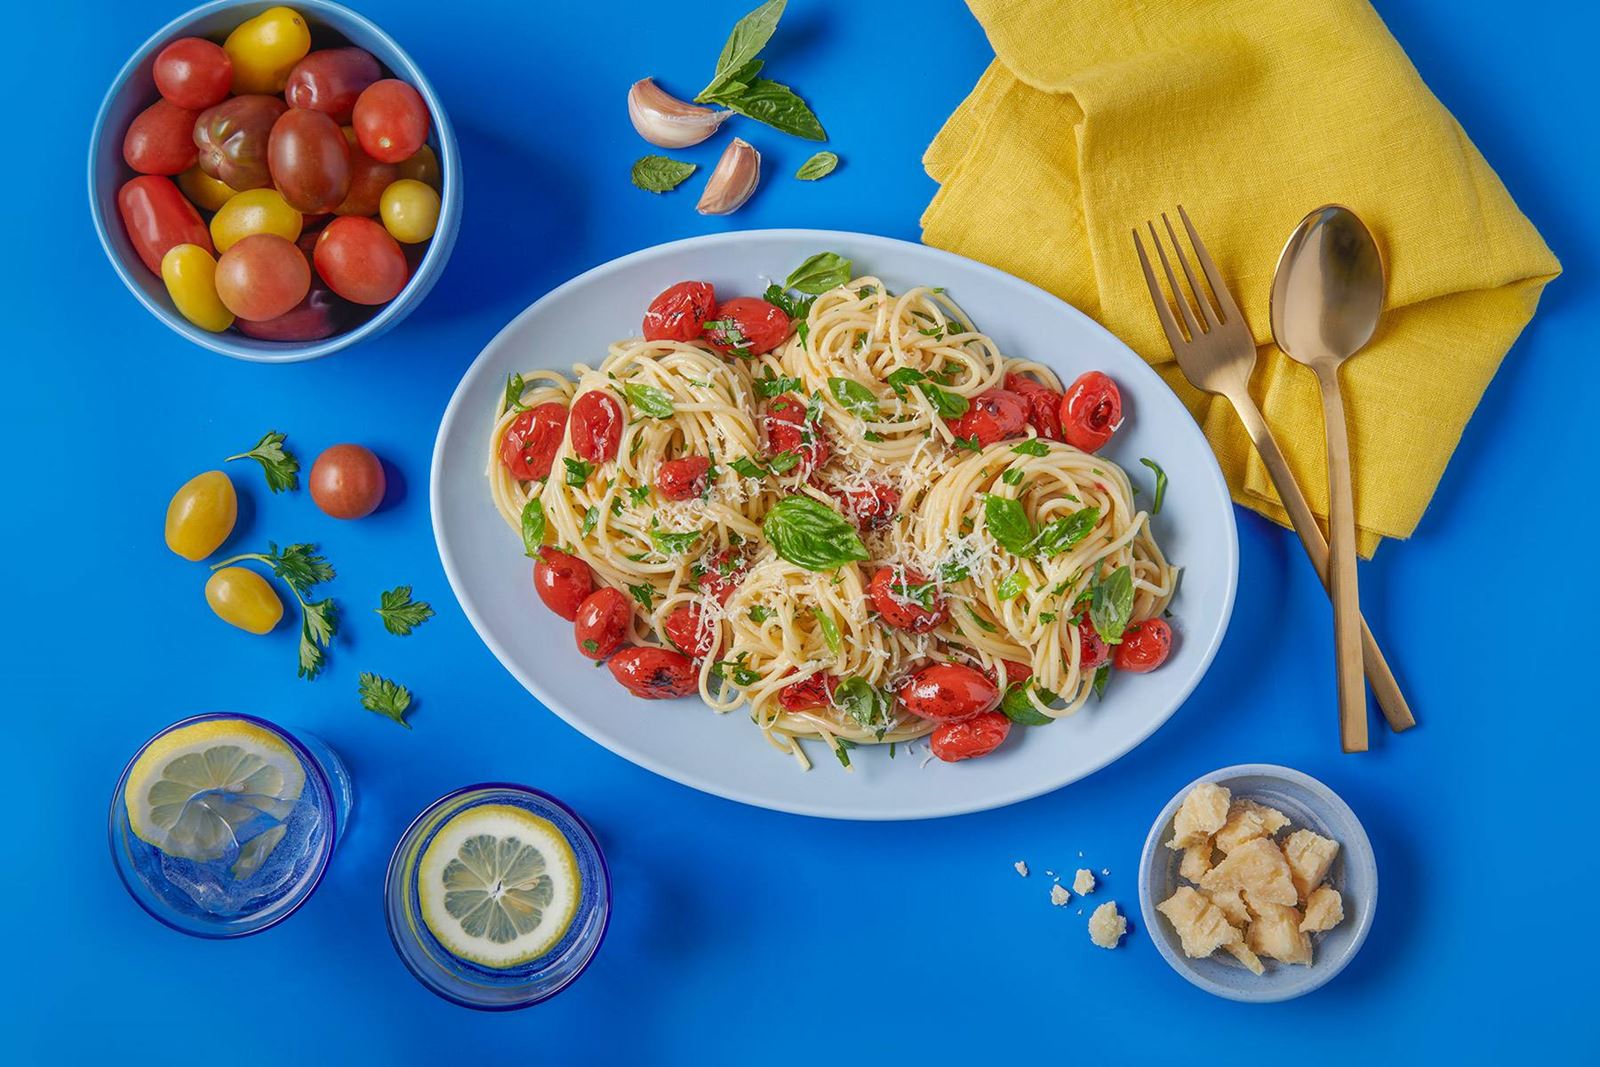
(254,211)
(264,49)
(201,515)
(191,277)
(423,166)
(204,191)
(410,211)
(243,598)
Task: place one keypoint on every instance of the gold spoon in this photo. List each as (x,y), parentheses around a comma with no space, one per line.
(1327,295)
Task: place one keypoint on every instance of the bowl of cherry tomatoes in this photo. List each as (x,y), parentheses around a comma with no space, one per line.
(275,182)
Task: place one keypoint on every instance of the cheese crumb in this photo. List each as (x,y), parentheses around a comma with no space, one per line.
(1022,868)
(1106,925)
(1058,895)
(1083,881)
(1324,910)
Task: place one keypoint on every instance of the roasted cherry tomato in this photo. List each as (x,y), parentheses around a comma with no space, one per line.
(330,79)
(1015,673)
(1093,652)
(1091,411)
(391,120)
(949,692)
(368,179)
(996,415)
(747,326)
(265,49)
(233,138)
(906,600)
(654,673)
(410,211)
(347,482)
(602,622)
(788,430)
(422,167)
(685,627)
(680,312)
(191,277)
(808,695)
(360,261)
(1044,405)
(682,479)
(201,515)
(720,574)
(243,598)
(529,446)
(1144,647)
(193,73)
(262,276)
(969,738)
(563,581)
(158,219)
(204,191)
(596,426)
(160,140)
(309,161)
(254,211)
(871,506)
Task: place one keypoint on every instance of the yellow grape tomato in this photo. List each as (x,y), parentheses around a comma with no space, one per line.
(201,515)
(204,191)
(191,277)
(423,166)
(254,211)
(410,211)
(243,598)
(264,49)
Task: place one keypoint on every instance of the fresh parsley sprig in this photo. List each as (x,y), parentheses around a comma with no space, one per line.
(400,613)
(389,699)
(302,569)
(278,463)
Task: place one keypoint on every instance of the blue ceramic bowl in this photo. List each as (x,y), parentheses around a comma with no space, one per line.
(134,89)
(1309,804)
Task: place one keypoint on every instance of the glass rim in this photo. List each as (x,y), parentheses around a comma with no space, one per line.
(315,773)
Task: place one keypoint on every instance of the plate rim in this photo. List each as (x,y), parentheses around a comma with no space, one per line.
(456,409)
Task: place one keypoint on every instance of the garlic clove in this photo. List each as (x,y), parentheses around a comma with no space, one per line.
(733,180)
(663,119)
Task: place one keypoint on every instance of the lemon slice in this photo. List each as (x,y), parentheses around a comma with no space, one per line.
(192,789)
(498,885)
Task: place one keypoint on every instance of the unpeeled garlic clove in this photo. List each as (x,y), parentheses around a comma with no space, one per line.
(663,119)
(733,180)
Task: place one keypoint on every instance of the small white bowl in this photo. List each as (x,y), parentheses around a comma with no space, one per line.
(1308,804)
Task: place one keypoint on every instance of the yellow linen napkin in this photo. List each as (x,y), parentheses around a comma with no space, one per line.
(1099,114)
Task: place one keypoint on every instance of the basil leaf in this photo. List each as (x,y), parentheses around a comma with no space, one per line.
(830,629)
(749,36)
(901,379)
(759,613)
(812,535)
(1031,447)
(771,385)
(782,462)
(532,527)
(1101,675)
(774,104)
(854,397)
(578,472)
(796,307)
(818,166)
(983,623)
(948,405)
(658,174)
(842,749)
(648,400)
(514,387)
(862,701)
(969,443)
(1008,524)
(671,543)
(746,467)
(823,271)
(1112,604)
(1063,533)
(1019,709)
(638,494)
(590,519)
(1161,484)
(1013,475)
(645,594)
(1013,585)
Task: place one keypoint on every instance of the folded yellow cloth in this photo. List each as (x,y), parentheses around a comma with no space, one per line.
(1100,114)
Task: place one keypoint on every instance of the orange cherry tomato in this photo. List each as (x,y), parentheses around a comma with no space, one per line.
(391,120)
(262,276)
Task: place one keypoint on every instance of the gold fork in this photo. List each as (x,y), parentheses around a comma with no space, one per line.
(1217,354)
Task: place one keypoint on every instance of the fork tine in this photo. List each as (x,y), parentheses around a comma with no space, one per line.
(1163,310)
(1225,301)
(1194,283)
(1178,296)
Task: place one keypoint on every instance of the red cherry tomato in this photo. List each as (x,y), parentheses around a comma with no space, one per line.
(747,326)
(992,416)
(160,140)
(368,179)
(322,313)
(602,622)
(721,574)
(262,277)
(309,161)
(194,73)
(1015,673)
(330,79)
(970,738)
(596,426)
(158,217)
(1093,652)
(1144,647)
(360,261)
(687,630)
(682,479)
(949,692)
(871,506)
(1044,405)
(680,312)
(391,120)
(528,449)
(809,694)
(906,601)
(233,138)
(1091,411)
(347,482)
(562,581)
(789,431)
(654,673)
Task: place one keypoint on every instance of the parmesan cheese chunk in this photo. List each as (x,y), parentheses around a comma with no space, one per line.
(1196,862)
(1231,901)
(1106,925)
(1201,926)
(1309,855)
(1247,821)
(1258,867)
(1059,895)
(1203,813)
(1242,953)
(1083,881)
(1022,868)
(1324,910)
(1276,933)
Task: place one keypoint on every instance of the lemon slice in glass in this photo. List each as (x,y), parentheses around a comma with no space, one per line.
(498,885)
(193,788)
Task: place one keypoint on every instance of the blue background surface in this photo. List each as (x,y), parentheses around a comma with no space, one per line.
(741,935)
